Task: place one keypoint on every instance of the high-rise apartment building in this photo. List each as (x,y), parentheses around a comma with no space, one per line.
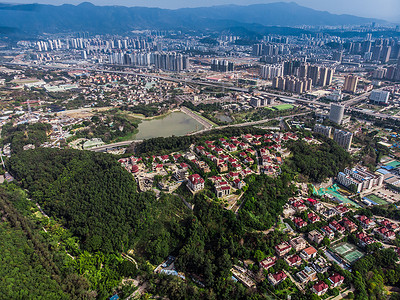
(343,138)
(350,84)
(325,130)
(336,113)
(271,71)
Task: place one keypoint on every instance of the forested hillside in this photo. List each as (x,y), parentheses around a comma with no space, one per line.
(318,162)
(93,196)
(96,200)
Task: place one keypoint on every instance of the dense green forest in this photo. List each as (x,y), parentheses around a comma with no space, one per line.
(96,200)
(22,274)
(32,266)
(264,200)
(25,134)
(317,162)
(146,110)
(92,195)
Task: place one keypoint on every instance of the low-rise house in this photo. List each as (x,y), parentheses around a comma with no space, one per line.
(244,146)
(222,191)
(282,249)
(251,151)
(349,225)
(232,147)
(299,222)
(336,280)
(363,239)
(277,277)
(237,166)
(308,253)
(249,160)
(239,183)
(233,175)
(320,288)
(315,236)
(389,225)
(219,150)
(341,210)
(320,265)
(293,260)
(336,226)
(307,275)
(298,243)
(328,232)
(329,213)
(223,168)
(158,167)
(200,150)
(181,174)
(313,218)
(385,233)
(246,173)
(268,262)
(299,206)
(366,223)
(195,182)
(315,204)
(288,212)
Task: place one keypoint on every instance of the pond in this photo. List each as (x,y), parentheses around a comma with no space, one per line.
(175,123)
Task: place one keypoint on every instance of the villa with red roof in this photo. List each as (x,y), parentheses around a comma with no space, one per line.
(195,182)
(364,239)
(320,288)
(294,260)
(268,262)
(277,277)
(336,280)
(282,249)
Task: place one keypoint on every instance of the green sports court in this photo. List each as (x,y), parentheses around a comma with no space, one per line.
(348,252)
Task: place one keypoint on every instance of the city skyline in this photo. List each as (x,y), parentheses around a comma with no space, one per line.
(388,10)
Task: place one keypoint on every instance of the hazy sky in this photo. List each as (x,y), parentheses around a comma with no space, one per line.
(382,9)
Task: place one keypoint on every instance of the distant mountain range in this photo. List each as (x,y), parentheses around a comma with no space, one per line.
(258,19)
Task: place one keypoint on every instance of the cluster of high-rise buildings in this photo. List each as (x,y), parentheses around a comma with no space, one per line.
(292,84)
(269,49)
(222,65)
(320,75)
(96,43)
(388,73)
(342,137)
(164,61)
(271,71)
(297,76)
(380,50)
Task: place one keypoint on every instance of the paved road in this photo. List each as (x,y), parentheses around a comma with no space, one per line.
(114,145)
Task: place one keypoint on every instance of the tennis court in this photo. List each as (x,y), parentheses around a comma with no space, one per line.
(353,256)
(348,252)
